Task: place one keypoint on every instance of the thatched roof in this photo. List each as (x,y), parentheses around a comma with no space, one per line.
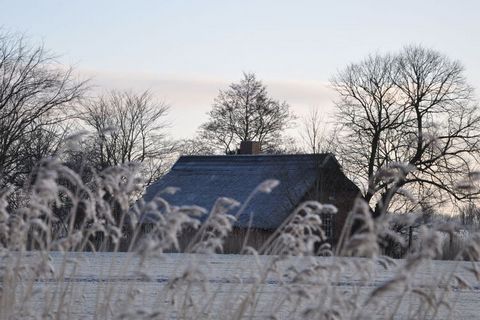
(203,179)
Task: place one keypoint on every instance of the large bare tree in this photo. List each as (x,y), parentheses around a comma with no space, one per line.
(409,124)
(128,127)
(245,112)
(35,94)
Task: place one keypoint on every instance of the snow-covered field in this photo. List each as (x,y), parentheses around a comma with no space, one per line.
(220,281)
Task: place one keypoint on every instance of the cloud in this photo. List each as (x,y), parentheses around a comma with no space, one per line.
(191,97)
(303,94)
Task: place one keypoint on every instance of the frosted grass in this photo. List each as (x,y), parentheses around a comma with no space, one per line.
(46,273)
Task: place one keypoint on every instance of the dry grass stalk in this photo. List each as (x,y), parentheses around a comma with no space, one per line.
(63,215)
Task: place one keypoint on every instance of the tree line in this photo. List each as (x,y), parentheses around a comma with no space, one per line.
(406,125)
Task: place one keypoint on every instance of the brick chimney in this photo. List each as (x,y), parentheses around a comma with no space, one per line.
(250,147)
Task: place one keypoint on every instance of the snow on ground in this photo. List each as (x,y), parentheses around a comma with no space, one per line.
(229,277)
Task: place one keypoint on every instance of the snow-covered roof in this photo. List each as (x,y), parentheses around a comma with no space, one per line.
(203,179)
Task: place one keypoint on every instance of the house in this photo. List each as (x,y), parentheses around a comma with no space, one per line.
(203,179)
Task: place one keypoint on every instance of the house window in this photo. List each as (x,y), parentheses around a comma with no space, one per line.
(327,222)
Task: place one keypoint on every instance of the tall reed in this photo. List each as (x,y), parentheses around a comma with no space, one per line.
(59,259)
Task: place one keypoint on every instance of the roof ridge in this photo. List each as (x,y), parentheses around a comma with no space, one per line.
(259,155)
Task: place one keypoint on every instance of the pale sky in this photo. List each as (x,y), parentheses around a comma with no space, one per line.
(185,51)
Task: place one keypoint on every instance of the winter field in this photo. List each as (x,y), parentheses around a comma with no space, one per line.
(98,285)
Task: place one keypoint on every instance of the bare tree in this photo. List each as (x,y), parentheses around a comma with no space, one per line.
(245,112)
(128,127)
(367,96)
(315,133)
(409,123)
(44,142)
(35,93)
(195,146)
